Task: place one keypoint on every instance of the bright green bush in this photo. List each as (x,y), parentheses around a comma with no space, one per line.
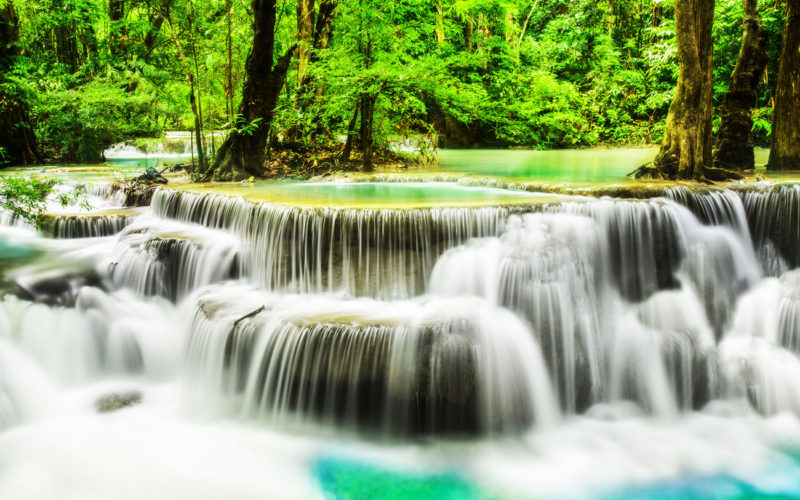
(79,124)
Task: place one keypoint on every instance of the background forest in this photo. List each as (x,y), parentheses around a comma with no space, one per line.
(539,74)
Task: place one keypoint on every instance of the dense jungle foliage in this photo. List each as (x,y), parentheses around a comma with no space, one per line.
(539,74)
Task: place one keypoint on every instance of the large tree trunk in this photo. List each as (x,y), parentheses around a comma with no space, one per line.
(242,154)
(351,134)
(734,145)
(16,132)
(686,150)
(785,152)
(229,107)
(367,123)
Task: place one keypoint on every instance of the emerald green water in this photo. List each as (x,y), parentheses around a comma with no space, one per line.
(342,479)
(575,166)
(77,173)
(346,479)
(372,194)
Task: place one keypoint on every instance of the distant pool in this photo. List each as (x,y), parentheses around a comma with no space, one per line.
(577,166)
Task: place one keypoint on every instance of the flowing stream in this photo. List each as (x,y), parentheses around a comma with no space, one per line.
(403,340)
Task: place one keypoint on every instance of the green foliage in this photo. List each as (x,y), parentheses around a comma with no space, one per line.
(26,198)
(538,74)
(80,123)
(241,126)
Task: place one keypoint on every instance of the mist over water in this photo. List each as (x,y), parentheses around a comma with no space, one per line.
(476,344)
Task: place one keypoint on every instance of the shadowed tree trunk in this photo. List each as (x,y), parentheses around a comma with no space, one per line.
(191,78)
(735,146)
(439,16)
(160,13)
(686,150)
(229,107)
(351,135)
(242,154)
(367,122)
(785,153)
(116,14)
(16,133)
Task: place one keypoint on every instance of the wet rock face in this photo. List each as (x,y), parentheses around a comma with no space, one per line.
(58,290)
(114,402)
(140,194)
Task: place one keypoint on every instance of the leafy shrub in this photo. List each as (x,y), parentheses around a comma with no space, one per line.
(78,124)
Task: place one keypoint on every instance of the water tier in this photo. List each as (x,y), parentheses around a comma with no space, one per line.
(491,319)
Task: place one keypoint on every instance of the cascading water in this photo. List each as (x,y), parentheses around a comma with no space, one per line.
(523,344)
(385,253)
(411,368)
(773,214)
(171,259)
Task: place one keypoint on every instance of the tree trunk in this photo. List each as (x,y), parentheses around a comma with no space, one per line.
(323,31)
(439,30)
(116,14)
(16,132)
(198,122)
(190,78)
(156,21)
(367,121)
(229,66)
(242,153)
(313,32)
(735,146)
(351,135)
(785,153)
(686,150)
(305,34)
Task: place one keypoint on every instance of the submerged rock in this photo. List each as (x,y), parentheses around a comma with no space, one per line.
(114,402)
(56,289)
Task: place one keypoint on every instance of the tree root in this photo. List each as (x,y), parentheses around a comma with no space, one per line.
(716,174)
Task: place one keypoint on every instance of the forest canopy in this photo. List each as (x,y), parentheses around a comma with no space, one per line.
(473,73)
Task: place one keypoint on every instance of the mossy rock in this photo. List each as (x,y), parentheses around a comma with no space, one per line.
(117,401)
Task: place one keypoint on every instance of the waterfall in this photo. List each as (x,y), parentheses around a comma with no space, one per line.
(89,225)
(773,215)
(103,334)
(171,259)
(461,335)
(25,391)
(430,367)
(382,253)
(547,267)
(600,344)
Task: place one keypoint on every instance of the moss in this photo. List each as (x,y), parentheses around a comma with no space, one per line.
(114,402)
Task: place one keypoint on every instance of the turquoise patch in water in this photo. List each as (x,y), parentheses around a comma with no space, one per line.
(778,481)
(342,479)
(14,253)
